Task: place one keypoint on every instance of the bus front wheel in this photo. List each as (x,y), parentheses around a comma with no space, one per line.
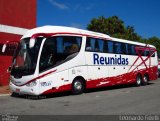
(78,86)
(14,94)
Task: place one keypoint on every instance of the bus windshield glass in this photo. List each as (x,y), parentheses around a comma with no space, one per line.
(25,58)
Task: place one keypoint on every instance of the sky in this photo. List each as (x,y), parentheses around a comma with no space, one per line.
(143,15)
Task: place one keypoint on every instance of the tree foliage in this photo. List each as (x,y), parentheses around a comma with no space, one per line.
(115,27)
(153,41)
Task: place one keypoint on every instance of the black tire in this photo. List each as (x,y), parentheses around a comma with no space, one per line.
(78,86)
(138,80)
(145,80)
(14,94)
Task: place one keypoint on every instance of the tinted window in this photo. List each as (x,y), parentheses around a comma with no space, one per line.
(152,53)
(110,46)
(25,58)
(96,45)
(105,46)
(57,50)
(100,45)
(90,44)
(131,49)
(124,47)
(146,53)
(117,48)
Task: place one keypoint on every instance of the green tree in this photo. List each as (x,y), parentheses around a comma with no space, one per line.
(153,41)
(114,27)
(130,34)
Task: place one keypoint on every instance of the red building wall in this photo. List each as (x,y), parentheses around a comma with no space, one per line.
(14,13)
(6,58)
(19,13)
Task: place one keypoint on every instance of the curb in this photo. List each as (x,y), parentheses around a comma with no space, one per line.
(4,90)
(2,95)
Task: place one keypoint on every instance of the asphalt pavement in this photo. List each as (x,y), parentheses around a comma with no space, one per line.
(119,100)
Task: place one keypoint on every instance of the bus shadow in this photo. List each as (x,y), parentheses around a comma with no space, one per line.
(109,88)
(32,97)
(63,94)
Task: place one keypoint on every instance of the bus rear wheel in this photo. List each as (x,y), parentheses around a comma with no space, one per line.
(138,80)
(145,79)
(78,86)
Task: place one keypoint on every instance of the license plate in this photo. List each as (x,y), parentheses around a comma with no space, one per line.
(17,90)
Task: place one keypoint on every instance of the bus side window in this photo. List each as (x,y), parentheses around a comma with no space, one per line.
(110,46)
(117,48)
(142,52)
(75,46)
(124,48)
(47,54)
(96,45)
(105,46)
(71,45)
(90,44)
(146,53)
(101,45)
(131,49)
(60,47)
(153,54)
(96,48)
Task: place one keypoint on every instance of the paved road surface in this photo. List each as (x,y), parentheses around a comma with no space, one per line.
(115,100)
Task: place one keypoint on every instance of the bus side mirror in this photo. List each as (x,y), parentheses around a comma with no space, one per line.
(4,48)
(31,42)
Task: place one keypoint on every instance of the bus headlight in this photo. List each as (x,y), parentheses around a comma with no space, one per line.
(32,84)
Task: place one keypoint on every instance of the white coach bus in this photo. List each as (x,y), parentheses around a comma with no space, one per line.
(53,59)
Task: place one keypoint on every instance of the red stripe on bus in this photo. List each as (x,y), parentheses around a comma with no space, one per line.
(109,81)
(63,33)
(67,87)
(34,79)
(140,56)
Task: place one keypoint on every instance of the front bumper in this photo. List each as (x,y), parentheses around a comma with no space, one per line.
(24,89)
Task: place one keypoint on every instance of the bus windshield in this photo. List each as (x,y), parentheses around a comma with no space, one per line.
(25,58)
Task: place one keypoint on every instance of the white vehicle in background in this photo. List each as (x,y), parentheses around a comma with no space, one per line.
(53,59)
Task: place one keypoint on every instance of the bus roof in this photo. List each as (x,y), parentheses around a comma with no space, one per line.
(63,29)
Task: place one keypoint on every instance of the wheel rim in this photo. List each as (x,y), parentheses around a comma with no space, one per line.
(78,85)
(138,80)
(145,79)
